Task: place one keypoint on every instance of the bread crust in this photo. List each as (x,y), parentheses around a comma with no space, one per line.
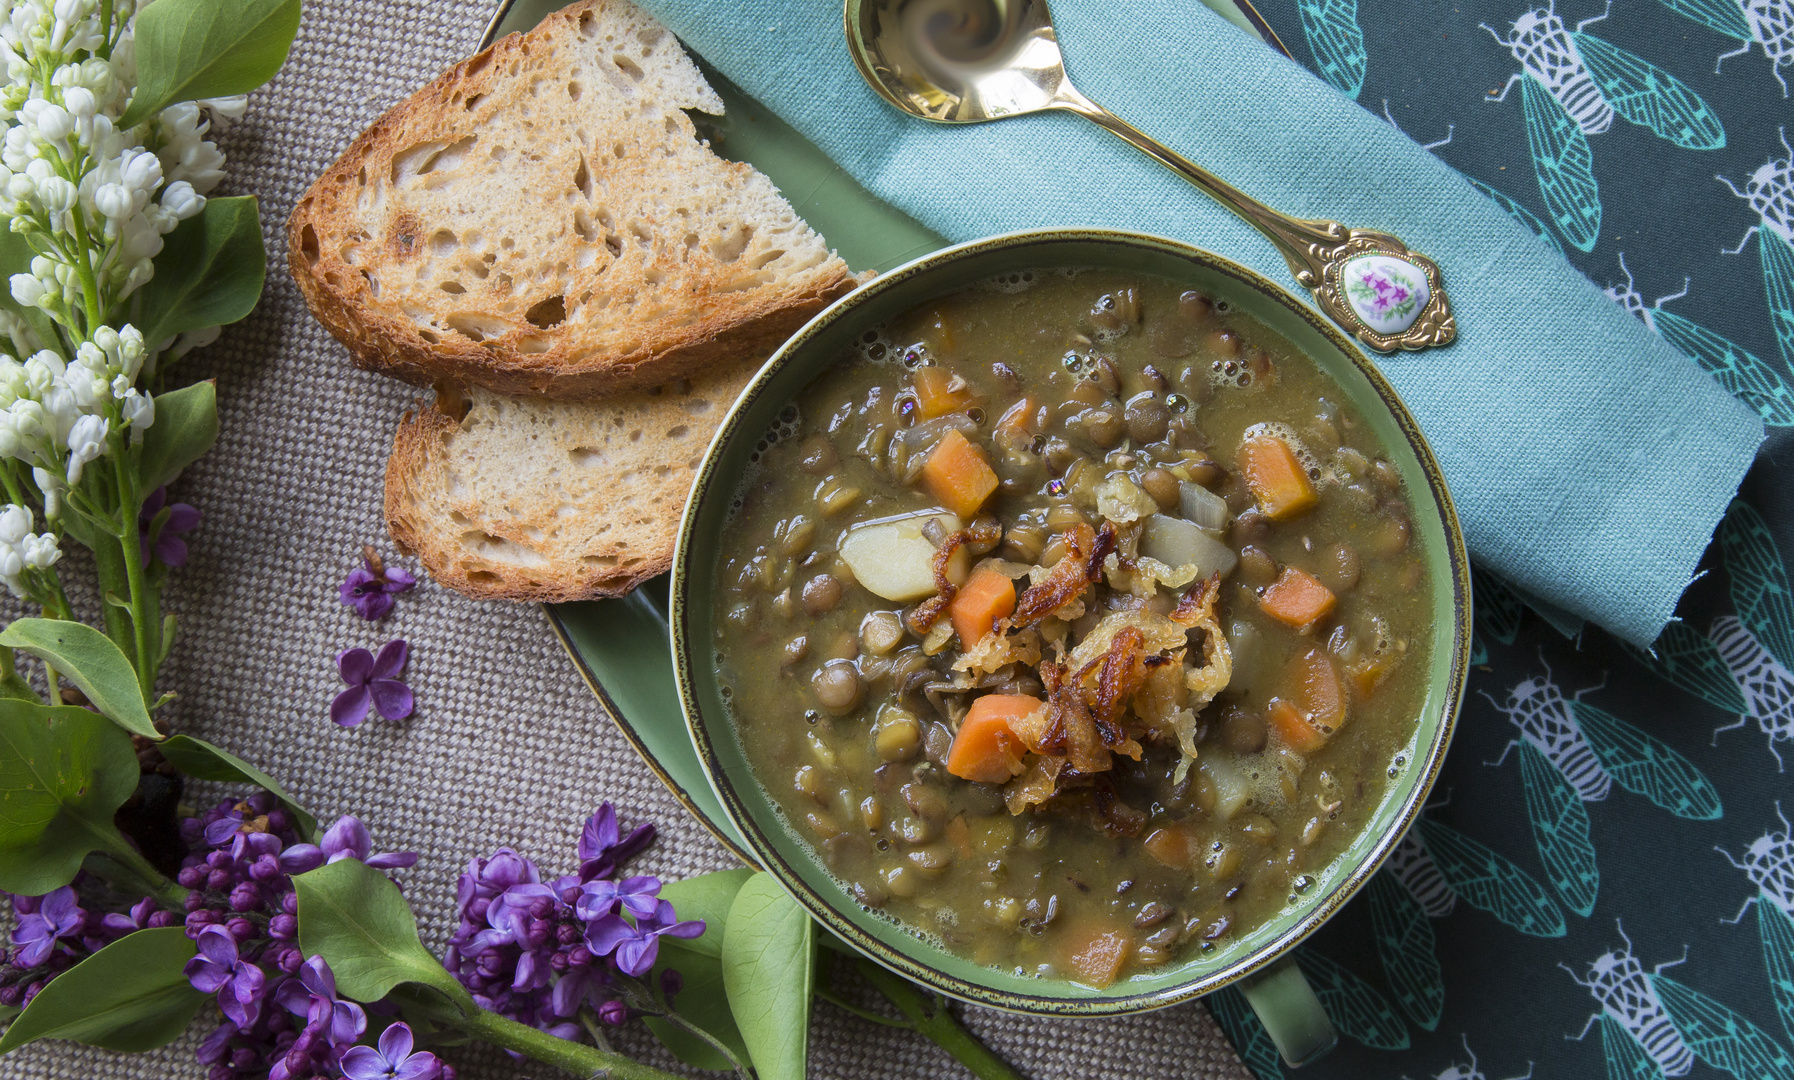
(335,260)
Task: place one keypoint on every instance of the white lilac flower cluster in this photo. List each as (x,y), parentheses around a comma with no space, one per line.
(95,202)
(21,550)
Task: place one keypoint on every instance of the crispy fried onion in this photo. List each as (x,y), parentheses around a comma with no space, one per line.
(1078,569)
(999,648)
(929,611)
(1196,610)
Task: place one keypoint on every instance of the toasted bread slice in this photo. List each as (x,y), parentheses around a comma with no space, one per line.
(533,499)
(542,219)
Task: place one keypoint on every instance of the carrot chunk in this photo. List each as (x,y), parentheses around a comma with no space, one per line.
(1294,729)
(1022,417)
(1318,690)
(1313,706)
(957,474)
(1096,954)
(986,749)
(939,392)
(1297,599)
(1278,482)
(1367,673)
(985,597)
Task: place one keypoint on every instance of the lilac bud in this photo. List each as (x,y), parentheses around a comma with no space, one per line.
(671,982)
(266,868)
(219,880)
(241,929)
(279,820)
(541,907)
(259,803)
(448,1072)
(193,901)
(159,919)
(289,903)
(567,934)
(302,1047)
(191,877)
(200,919)
(291,961)
(247,896)
(218,860)
(26,905)
(242,1058)
(613,1012)
(283,927)
(10,995)
(31,991)
(558,962)
(580,956)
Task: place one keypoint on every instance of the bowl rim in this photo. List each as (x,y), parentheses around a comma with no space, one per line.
(704,487)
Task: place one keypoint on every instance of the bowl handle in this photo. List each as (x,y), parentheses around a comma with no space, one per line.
(1290,1012)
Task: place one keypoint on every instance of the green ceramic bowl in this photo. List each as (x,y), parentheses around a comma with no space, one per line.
(817,346)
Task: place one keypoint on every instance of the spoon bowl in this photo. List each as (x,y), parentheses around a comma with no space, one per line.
(973,61)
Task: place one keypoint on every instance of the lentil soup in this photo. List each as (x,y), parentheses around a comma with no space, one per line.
(1075,622)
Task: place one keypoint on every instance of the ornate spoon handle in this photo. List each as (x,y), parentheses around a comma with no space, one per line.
(1368,282)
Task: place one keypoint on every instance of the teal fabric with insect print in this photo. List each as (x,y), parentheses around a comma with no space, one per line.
(1553,415)
(1604,886)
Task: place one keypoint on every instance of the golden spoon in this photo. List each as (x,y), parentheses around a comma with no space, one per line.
(968,61)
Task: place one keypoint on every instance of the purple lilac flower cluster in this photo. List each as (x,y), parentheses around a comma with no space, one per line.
(282,1017)
(539,953)
(54,933)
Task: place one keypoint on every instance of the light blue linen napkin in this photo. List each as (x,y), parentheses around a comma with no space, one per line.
(1589,460)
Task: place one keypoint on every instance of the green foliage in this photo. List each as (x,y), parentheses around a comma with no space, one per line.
(210,272)
(356,919)
(203,761)
(186,427)
(704,1001)
(191,49)
(91,661)
(64,771)
(769,967)
(132,995)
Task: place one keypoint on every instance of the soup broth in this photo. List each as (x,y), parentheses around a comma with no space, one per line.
(1075,621)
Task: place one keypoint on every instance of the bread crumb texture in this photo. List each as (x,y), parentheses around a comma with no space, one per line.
(529,499)
(544,219)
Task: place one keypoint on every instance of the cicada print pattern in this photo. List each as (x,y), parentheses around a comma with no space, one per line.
(1620,985)
(1470,1070)
(1572,84)
(1694,663)
(1770,193)
(1331,29)
(1766,687)
(1769,864)
(1417,872)
(1769,23)
(1354,1006)
(1490,881)
(1744,376)
(1407,949)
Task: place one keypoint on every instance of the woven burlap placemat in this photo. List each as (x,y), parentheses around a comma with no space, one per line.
(507,746)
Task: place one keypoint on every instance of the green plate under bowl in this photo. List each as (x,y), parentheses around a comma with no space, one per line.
(621,647)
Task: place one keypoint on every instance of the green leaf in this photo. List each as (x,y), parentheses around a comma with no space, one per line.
(186,427)
(132,995)
(90,660)
(356,919)
(64,771)
(191,49)
(203,761)
(705,897)
(210,271)
(703,1002)
(769,968)
(15,258)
